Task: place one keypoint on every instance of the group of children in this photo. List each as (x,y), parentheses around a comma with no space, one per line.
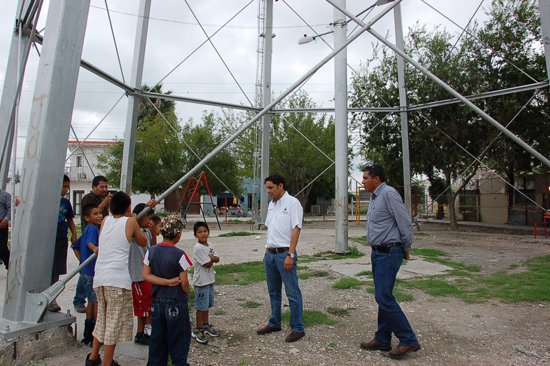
(133,271)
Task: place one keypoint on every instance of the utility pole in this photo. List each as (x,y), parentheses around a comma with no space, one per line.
(544,6)
(133,104)
(341,132)
(266,119)
(403,107)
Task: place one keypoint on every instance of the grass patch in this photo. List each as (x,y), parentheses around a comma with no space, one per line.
(312,318)
(364,273)
(338,311)
(240,273)
(219,312)
(237,233)
(251,305)
(426,252)
(305,276)
(346,282)
(191,300)
(360,240)
(456,265)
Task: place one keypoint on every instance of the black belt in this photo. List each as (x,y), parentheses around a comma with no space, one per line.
(277,250)
(386,248)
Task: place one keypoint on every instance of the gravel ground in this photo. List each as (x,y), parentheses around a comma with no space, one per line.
(450,331)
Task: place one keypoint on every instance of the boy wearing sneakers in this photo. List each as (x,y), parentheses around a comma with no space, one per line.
(112,282)
(165,266)
(87,245)
(141,290)
(204,257)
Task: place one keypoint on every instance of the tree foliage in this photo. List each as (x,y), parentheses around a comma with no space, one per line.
(443,139)
(163,153)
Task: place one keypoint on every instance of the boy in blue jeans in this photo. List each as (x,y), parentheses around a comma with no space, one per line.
(165,266)
(87,245)
(64,223)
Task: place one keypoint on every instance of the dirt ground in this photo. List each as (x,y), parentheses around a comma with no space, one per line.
(450,331)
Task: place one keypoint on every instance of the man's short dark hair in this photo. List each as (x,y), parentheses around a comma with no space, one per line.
(199,224)
(156,220)
(87,210)
(98,179)
(375,170)
(66,178)
(276,179)
(120,202)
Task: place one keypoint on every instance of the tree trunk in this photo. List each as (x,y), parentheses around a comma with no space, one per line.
(510,190)
(453,222)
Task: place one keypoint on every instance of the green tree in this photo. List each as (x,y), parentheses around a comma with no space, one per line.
(436,135)
(291,154)
(163,154)
(510,54)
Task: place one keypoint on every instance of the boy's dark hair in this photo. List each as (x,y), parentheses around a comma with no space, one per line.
(65,178)
(199,224)
(120,202)
(375,170)
(140,207)
(98,179)
(87,210)
(156,219)
(276,179)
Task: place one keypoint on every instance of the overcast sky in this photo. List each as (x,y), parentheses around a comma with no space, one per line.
(174,34)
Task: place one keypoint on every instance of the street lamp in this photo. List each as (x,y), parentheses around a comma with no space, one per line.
(306,39)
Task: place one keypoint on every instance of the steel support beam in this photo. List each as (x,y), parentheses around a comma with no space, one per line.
(35,224)
(341,133)
(544,6)
(15,71)
(403,106)
(453,92)
(266,119)
(133,104)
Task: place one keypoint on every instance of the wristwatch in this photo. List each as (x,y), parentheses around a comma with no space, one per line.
(291,255)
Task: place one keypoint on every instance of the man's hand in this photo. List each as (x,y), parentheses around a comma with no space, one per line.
(17,202)
(106,201)
(289,263)
(407,255)
(3,224)
(152,203)
(173,281)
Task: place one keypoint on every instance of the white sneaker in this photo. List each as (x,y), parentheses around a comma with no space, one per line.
(148,329)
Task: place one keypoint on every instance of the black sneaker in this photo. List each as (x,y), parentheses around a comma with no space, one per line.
(93,362)
(142,338)
(199,336)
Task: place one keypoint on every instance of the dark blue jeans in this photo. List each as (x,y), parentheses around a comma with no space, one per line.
(171,332)
(276,276)
(80,295)
(391,318)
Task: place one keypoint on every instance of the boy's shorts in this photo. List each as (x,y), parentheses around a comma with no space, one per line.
(89,286)
(115,322)
(204,297)
(141,293)
(60,256)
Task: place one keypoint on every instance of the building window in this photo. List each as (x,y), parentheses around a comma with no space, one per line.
(79,161)
(77,199)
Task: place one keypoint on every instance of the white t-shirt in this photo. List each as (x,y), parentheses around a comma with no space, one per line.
(203,276)
(111,267)
(282,217)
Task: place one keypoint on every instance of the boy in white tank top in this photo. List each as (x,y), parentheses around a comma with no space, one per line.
(112,282)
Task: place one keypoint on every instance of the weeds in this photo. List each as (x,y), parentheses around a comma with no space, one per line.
(237,233)
(337,311)
(347,282)
(305,276)
(311,318)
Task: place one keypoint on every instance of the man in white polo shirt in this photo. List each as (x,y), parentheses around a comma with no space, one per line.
(284,223)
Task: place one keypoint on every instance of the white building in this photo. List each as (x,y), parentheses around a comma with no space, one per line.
(82,168)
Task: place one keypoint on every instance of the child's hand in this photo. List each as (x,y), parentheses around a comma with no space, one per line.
(152,203)
(173,281)
(95,249)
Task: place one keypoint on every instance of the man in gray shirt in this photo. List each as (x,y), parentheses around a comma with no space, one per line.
(390,234)
(5,218)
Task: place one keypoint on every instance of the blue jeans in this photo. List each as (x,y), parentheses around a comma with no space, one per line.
(276,276)
(391,318)
(80,296)
(171,332)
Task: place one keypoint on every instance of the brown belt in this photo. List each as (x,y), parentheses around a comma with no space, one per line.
(277,250)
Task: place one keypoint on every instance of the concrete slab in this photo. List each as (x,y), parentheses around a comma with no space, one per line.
(413,268)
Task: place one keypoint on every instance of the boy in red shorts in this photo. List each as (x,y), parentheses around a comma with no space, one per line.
(141,290)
